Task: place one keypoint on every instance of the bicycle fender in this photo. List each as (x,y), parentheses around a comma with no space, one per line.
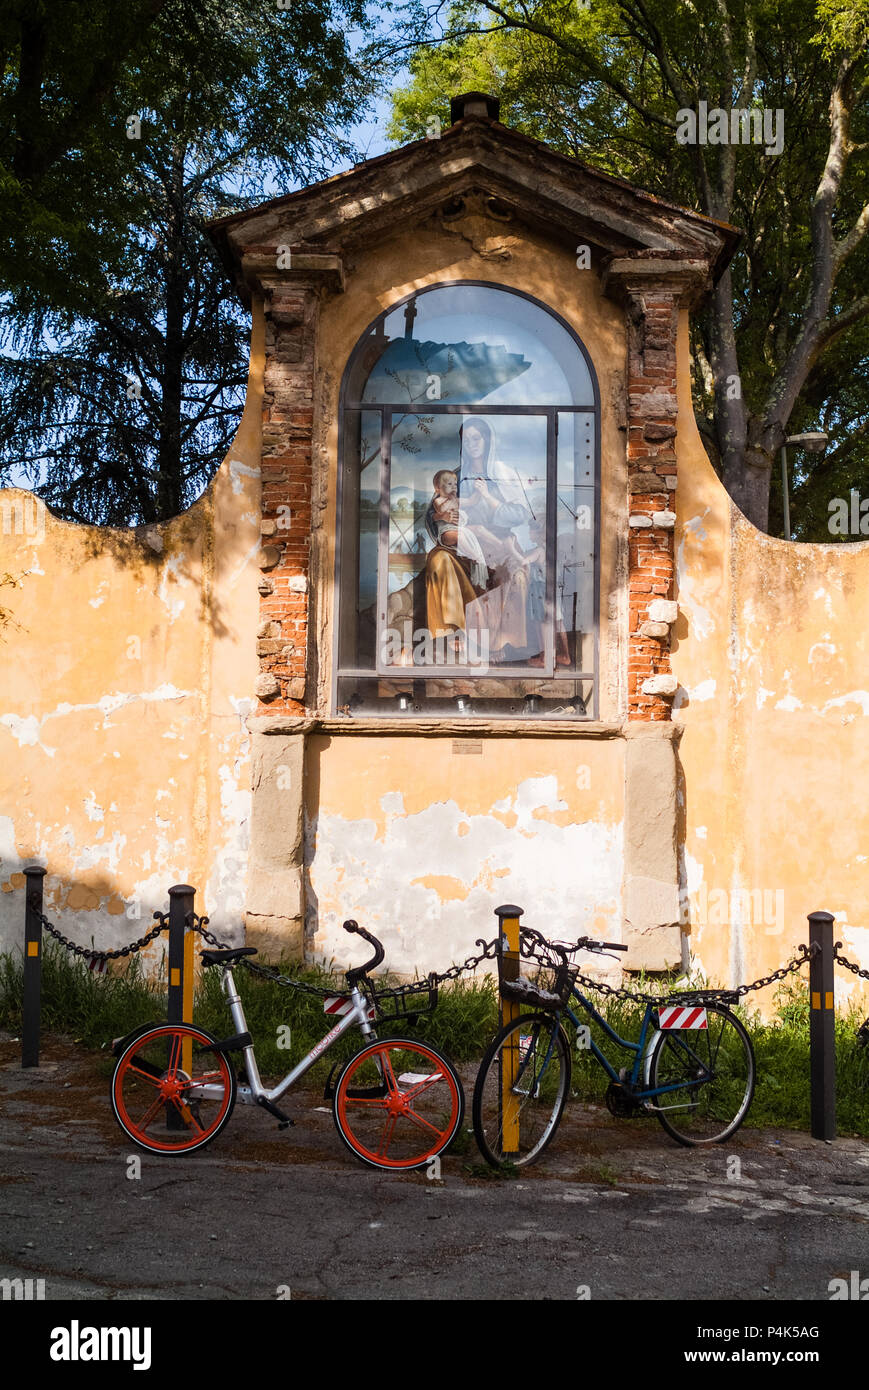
(118,1045)
(647,1058)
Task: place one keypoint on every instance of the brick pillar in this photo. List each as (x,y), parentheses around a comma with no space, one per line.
(288,421)
(652,324)
(652,289)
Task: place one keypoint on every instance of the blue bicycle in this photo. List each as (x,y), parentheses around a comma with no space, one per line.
(693,1064)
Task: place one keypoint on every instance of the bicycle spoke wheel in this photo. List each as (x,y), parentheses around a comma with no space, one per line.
(712,1072)
(160,1105)
(520,1092)
(398,1104)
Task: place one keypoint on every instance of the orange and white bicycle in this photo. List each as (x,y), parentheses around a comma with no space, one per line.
(397,1104)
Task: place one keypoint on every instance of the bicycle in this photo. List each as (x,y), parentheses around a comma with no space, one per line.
(693,1065)
(396,1104)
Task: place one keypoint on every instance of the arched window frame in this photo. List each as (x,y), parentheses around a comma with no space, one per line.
(347,517)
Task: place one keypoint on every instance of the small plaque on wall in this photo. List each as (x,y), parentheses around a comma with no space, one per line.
(467,745)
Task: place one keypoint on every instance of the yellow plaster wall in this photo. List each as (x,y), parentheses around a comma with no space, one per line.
(771,656)
(420,840)
(125,680)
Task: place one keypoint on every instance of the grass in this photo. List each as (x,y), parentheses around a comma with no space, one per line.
(94,1009)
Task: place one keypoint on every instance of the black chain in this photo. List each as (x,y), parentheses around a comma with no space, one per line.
(530,947)
(532,951)
(848,964)
(91,954)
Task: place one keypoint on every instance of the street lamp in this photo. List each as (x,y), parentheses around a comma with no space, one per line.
(814,442)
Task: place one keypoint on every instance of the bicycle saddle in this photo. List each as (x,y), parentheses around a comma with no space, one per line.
(226,957)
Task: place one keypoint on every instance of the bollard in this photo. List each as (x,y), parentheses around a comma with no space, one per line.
(180,1008)
(32,995)
(508,951)
(822,1027)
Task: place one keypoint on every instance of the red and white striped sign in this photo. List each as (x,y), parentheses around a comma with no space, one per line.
(341,1004)
(682,1016)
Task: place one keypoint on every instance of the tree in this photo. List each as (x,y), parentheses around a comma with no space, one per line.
(612,82)
(119,398)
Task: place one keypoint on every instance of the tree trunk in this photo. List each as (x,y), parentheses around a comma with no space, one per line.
(170,499)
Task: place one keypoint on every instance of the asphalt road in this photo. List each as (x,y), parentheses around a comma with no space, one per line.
(615,1211)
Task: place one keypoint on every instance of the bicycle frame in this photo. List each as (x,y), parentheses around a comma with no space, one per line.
(357,1017)
(642,1053)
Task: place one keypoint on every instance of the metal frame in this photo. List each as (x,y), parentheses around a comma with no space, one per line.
(551,412)
(358,1017)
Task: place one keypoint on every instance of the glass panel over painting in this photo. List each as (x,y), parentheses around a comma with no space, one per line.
(467,343)
(468,522)
(464,585)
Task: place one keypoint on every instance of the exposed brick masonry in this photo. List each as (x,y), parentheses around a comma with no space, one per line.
(288,419)
(652,324)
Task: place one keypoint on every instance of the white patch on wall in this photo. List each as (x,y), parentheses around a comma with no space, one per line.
(174,605)
(789,703)
(826,648)
(92,809)
(699,617)
(27,730)
(704,691)
(226,888)
(854,697)
(10,863)
(563,874)
(238,471)
(701,832)
(762,696)
(827,600)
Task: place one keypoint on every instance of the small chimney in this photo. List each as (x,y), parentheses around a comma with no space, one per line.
(474,104)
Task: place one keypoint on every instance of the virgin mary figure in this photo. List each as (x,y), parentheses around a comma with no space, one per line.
(477,576)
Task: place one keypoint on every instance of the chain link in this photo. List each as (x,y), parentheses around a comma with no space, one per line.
(848,964)
(530,946)
(711,995)
(91,954)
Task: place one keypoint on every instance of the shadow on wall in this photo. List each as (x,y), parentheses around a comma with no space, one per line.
(157,556)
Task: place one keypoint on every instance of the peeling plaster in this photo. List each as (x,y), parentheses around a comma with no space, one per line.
(455,867)
(174,607)
(854,697)
(238,471)
(27,730)
(704,691)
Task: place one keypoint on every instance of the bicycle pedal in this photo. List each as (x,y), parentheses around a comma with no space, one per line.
(284,1121)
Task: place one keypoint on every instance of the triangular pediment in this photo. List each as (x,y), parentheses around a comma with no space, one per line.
(497,172)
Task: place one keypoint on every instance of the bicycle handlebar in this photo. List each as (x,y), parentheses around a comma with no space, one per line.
(359,970)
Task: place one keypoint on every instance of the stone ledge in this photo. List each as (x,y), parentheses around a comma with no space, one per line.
(444,728)
(461,728)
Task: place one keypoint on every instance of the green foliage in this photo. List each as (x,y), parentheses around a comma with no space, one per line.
(125,349)
(605,83)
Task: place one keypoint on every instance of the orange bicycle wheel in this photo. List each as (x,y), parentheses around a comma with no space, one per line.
(163,1108)
(398,1104)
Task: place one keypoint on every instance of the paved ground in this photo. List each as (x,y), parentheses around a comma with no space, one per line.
(614,1211)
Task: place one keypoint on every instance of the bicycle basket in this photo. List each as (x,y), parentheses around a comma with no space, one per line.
(552,981)
(406,1002)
